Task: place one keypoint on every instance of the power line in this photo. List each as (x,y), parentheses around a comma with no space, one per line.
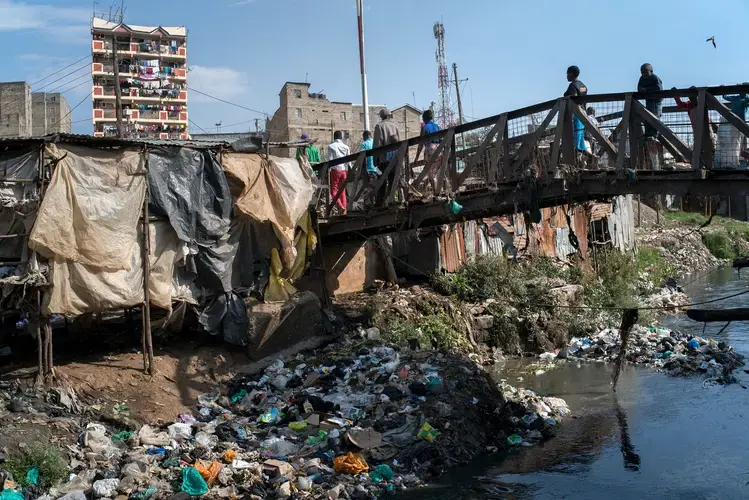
(68,83)
(59,70)
(227,102)
(65,76)
(201,128)
(71,111)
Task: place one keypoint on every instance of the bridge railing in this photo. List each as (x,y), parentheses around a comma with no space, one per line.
(676,129)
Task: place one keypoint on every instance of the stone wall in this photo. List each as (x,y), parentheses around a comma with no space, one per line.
(15,109)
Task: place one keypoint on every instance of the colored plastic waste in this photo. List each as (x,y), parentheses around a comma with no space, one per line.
(693,344)
(270,417)
(381,473)
(298,426)
(453,207)
(192,482)
(209,473)
(143,495)
(122,436)
(230,456)
(428,433)
(350,463)
(314,440)
(156,451)
(239,396)
(32,476)
(8,494)
(514,440)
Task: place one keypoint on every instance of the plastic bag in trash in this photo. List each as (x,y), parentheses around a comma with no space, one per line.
(32,476)
(350,463)
(210,472)
(514,440)
(193,483)
(180,431)
(428,433)
(8,494)
(381,473)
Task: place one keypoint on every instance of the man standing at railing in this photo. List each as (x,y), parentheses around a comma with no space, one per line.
(310,151)
(731,142)
(386,132)
(649,82)
(429,127)
(576,88)
(337,149)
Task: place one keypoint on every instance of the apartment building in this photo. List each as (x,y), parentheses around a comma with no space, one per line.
(304,112)
(50,114)
(152,80)
(15,109)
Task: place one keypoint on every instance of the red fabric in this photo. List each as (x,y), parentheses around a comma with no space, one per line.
(337,179)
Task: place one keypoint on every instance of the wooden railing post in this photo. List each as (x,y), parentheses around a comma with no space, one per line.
(568,135)
(624,132)
(701,131)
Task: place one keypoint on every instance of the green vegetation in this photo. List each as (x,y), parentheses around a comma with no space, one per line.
(724,237)
(52,467)
(431,331)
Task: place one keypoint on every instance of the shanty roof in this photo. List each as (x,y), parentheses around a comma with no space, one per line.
(413,108)
(102,25)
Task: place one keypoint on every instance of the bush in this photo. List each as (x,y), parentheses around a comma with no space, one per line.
(719,244)
(52,467)
(431,331)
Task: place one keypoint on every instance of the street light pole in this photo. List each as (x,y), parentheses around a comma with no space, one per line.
(360,19)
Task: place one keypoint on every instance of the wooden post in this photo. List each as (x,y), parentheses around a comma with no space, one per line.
(49,361)
(146,339)
(701,128)
(117,90)
(38,325)
(639,212)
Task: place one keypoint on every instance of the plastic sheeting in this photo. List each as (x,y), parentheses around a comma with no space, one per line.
(278,191)
(90,211)
(189,187)
(81,288)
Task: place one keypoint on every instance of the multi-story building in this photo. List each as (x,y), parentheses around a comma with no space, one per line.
(152,79)
(302,112)
(50,114)
(15,109)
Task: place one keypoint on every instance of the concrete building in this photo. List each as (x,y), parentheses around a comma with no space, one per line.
(50,114)
(15,109)
(302,112)
(153,80)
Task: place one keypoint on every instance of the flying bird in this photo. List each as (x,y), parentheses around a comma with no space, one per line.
(712,39)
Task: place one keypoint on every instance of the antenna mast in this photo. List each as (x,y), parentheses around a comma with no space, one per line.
(445,113)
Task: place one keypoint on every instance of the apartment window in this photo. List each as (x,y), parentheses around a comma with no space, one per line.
(346,134)
(297,93)
(298,113)
(343,116)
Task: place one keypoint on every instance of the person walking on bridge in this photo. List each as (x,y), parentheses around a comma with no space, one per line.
(385,133)
(649,82)
(338,149)
(429,127)
(576,88)
(731,142)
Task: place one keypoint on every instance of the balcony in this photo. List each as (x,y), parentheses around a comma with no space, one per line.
(137,95)
(135,49)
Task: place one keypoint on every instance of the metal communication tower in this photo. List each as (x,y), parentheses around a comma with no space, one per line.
(445,114)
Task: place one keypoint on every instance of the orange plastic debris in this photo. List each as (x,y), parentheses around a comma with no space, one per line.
(351,463)
(229,456)
(209,473)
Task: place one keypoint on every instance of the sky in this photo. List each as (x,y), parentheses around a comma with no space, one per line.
(513,52)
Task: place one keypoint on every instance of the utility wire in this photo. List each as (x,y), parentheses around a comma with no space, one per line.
(59,70)
(201,128)
(65,76)
(73,109)
(71,81)
(227,102)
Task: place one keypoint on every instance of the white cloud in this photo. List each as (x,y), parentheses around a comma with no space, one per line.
(16,16)
(242,2)
(221,82)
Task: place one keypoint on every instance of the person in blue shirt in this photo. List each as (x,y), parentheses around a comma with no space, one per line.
(429,127)
(577,88)
(366,145)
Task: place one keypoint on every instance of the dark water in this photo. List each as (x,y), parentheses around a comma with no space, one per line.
(662,437)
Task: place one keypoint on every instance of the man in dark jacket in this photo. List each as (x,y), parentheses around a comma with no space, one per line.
(577,88)
(649,82)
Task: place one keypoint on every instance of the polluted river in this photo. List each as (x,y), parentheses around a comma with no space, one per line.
(660,436)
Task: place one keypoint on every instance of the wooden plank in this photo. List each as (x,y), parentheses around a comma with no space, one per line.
(473,160)
(568,136)
(651,119)
(527,146)
(433,157)
(445,161)
(596,133)
(726,113)
(357,171)
(699,130)
(398,172)
(556,146)
(384,176)
(671,149)
(626,118)
(501,129)
(722,315)
(505,165)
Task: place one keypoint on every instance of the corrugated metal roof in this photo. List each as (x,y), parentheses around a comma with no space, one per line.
(106,142)
(452,251)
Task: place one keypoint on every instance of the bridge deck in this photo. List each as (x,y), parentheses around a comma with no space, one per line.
(508,162)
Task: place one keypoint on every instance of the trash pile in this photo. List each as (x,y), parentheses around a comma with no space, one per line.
(354,420)
(669,350)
